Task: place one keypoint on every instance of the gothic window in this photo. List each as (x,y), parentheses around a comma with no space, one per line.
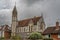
(24,29)
(41,26)
(19,30)
(27,29)
(30,28)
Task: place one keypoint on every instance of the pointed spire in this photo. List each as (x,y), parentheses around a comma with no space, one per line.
(14,10)
(15,3)
(15,6)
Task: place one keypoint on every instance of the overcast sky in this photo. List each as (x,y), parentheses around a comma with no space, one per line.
(30,8)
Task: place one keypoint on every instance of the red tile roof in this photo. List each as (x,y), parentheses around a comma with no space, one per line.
(52,30)
(25,22)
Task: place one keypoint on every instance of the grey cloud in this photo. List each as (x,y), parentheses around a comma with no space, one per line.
(30,2)
(31,8)
(5,17)
(5,4)
(50,9)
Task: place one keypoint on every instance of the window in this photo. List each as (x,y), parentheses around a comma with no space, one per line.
(24,29)
(58,36)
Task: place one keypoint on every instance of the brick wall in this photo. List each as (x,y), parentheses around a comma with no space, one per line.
(7,34)
(55,36)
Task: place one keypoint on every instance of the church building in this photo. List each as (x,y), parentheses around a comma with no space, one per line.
(26,26)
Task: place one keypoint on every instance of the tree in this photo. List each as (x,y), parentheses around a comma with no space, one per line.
(35,35)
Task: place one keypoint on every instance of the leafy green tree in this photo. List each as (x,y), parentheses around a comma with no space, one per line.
(35,35)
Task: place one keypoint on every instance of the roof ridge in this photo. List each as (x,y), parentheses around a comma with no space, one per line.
(25,22)
(29,18)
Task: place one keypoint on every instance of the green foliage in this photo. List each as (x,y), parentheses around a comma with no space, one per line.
(2,38)
(16,37)
(35,35)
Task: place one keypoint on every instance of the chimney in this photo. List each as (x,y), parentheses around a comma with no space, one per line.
(57,25)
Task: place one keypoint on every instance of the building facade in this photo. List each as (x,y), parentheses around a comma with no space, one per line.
(26,26)
(5,32)
(53,32)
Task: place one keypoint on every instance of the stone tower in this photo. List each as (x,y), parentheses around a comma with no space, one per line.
(14,21)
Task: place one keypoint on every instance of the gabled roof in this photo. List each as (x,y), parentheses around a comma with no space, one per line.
(52,30)
(25,22)
(4,28)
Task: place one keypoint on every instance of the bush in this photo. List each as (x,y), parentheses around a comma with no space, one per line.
(2,38)
(35,35)
(16,37)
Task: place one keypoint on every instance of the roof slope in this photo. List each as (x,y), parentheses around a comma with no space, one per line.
(4,28)
(25,22)
(52,30)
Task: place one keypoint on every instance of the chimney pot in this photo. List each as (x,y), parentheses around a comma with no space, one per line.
(57,23)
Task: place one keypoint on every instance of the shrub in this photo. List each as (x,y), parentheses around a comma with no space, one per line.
(35,35)
(1,38)
(16,37)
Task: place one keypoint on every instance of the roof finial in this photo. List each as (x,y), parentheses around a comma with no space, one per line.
(15,3)
(42,14)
